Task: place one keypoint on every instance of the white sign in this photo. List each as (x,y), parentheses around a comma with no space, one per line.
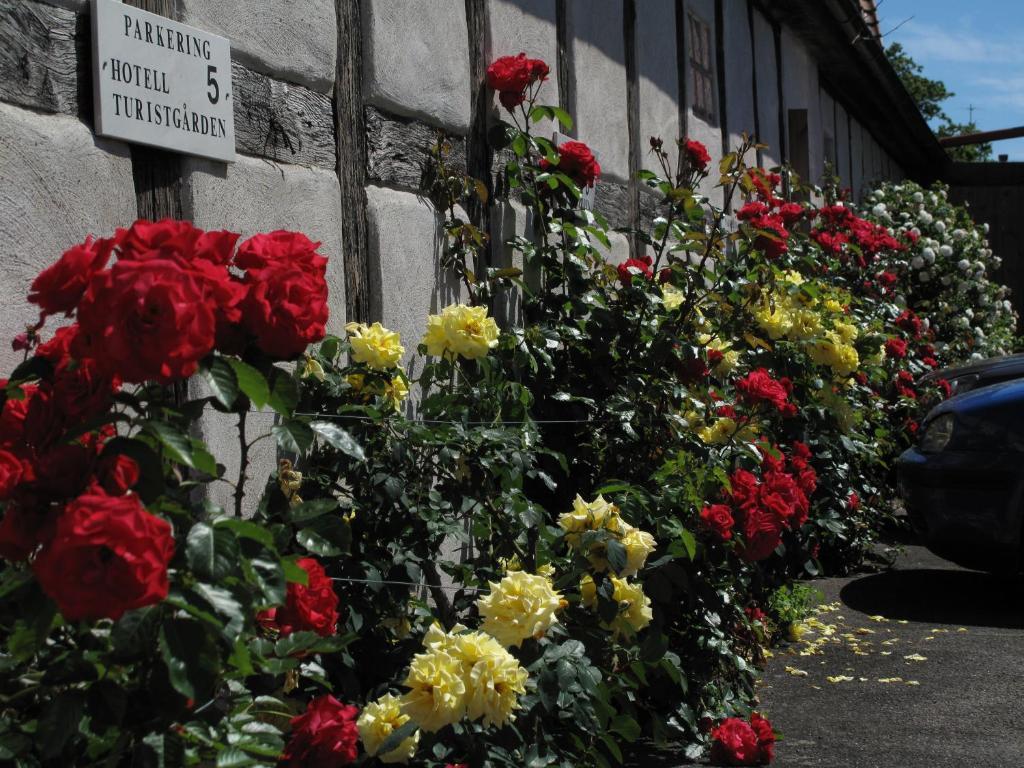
(161,83)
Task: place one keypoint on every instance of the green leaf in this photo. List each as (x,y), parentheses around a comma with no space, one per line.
(220,378)
(616,555)
(226,604)
(179,643)
(689,542)
(293,436)
(563,117)
(626,727)
(284,392)
(246,529)
(203,460)
(134,632)
(309,510)
(396,737)
(317,544)
(294,573)
(59,722)
(251,382)
(270,576)
(31,630)
(338,438)
(212,553)
(233,757)
(177,445)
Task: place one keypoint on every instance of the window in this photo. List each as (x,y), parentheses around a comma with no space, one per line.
(702,99)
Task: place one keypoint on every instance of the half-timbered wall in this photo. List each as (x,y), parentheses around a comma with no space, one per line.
(336,101)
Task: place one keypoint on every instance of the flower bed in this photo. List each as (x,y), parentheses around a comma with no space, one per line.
(585,535)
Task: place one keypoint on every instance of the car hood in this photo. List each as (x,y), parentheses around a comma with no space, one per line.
(1006,394)
(1005,365)
(989,418)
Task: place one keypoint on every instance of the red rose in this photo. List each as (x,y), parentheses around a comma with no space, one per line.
(946,387)
(60,287)
(325,735)
(281,248)
(853,502)
(510,76)
(765,736)
(715,356)
(752,210)
(887,279)
(800,451)
(108,555)
(910,322)
(43,422)
(744,487)
(718,518)
(755,614)
(762,532)
(759,387)
(117,473)
(12,417)
(24,528)
(735,742)
(11,471)
(777,505)
(285,309)
(577,162)
(58,349)
(896,348)
(164,239)
(147,320)
(696,154)
(64,471)
(81,390)
(774,243)
(631,268)
(311,607)
(791,213)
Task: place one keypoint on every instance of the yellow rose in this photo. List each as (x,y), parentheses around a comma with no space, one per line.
(520,606)
(634,606)
(719,432)
(833,306)
(638,544)
(378,720)
(774,319)
(494,684)
(806,323)
(396,391)
(374,345)
(312,368)
(460,330)
(589,516)
(846,331)
(671,297)
(437,690)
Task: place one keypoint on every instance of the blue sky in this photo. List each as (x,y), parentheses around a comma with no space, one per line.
(977,48)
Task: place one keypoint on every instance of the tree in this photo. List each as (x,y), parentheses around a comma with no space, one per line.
(929,95)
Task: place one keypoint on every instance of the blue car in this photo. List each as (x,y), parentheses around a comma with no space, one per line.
(963,483)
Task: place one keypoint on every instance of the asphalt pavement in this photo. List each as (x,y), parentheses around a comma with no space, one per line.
(921,666)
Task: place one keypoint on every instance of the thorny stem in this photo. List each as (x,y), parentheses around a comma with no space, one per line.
(243,463)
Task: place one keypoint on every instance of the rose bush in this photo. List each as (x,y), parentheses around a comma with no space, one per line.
(579,534)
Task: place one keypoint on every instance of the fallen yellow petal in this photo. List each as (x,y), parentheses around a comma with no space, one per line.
(796,672)
(878,618)
(916,657)
(864,631)
(912,682)
(839,679)
(890,679)
(961,629)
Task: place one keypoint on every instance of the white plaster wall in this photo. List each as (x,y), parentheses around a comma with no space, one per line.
(60,183)
(416,60)
(525,26)
(767,89)
(857,151)
(828,124)
(708,133)
(509,220)
(658,79)
(842,147)
(255,195)
(295,40)
(739,76)
(801,91)
(407,281)
(598,53)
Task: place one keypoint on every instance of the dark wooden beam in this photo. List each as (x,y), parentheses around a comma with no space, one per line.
(478,150)
(632,118)
(157,172)
(777,40)
(723,107)
(351,137)
(566,71)
(981,137)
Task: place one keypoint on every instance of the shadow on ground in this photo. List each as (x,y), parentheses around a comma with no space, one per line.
(931,595)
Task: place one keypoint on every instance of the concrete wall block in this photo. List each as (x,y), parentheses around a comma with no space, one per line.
(416,60)
(524,26)
(407,279)
(739,72)
(60,184)
(599,56)
(658,77)
(250,196)
(295,40)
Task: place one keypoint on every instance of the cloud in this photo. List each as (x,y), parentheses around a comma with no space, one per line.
(1003,91)
(930,42)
